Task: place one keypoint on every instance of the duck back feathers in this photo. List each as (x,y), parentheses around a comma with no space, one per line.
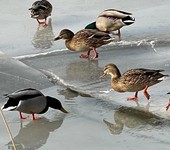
(143,76)
(115,13)
(89,38)
(24,94)
(26,100)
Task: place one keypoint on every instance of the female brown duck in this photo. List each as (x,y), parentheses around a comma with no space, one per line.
(84,40)
(133,80)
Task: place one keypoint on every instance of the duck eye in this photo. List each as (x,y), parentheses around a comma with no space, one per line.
(62,34)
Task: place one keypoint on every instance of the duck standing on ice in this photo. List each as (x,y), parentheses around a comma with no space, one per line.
(133,80)
(84,40)
(31,101)
(111,20)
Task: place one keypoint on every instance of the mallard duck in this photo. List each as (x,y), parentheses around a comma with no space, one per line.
(84,40)
(112,20)
(133,80)
(31,101)
(167,107)
(41,10)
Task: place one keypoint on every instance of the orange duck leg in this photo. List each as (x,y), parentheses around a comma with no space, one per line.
(135,98)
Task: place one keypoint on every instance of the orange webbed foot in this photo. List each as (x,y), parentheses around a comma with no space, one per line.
(135,98)
(132,99)
(35,118)
(22,117)
(84,56)
(167,107)
(95,56)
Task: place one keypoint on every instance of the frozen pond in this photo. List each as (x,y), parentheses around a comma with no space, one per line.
(99,118)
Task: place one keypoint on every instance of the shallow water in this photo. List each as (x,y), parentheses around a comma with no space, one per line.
(99,117)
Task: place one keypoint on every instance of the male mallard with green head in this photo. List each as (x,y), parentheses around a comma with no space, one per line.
(112,20)
(31,101)
(84,40)
(41,10)
(133,80)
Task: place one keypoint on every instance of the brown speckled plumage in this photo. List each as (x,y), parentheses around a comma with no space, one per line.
(133,80)
(84,40)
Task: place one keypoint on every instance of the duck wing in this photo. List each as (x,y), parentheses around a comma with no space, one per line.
(120,11)
(142,76)
(98,38)
(14,101)
(113,13)
(99,34)
(90,34)
(24,94)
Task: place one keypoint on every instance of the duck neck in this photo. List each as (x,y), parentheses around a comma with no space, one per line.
(68,44)
(116,75)
(114,80)
(53,103)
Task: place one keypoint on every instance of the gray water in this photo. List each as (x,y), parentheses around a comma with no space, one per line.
(98,118)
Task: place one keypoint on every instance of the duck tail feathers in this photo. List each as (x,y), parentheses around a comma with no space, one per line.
(11,108)
(110,39)
(163,78)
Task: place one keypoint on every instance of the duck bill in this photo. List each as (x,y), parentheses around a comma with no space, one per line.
(63,110)
(57,38)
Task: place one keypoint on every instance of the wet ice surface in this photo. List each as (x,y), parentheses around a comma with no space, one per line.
(83,127)
(106,119)
(90,124)
(76,76)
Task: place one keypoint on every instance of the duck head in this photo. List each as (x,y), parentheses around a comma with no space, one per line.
(64,34)
(37,10)
(55,104)
(112,70)
(128,20)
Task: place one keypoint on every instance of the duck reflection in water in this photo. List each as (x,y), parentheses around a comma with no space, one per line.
(83,71)
(43,37)
(70,94)
(35,134)
(131,118)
